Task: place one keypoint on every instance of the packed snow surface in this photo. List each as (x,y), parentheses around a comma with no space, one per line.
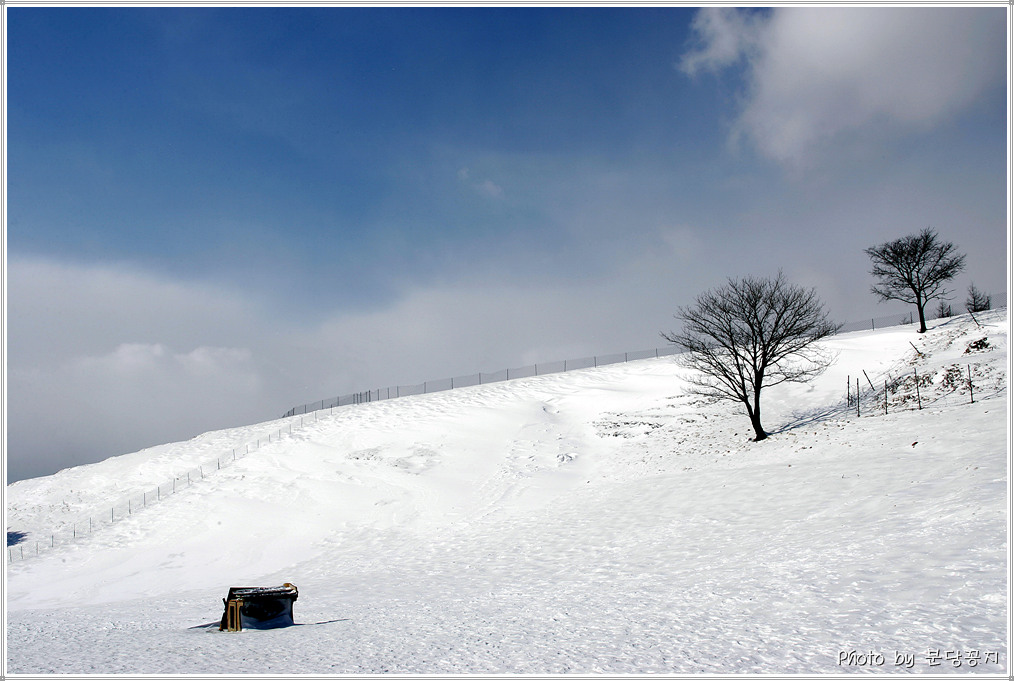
(601,521)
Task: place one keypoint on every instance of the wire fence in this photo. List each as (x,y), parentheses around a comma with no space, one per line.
(958,383)
(911,385)
(871,399)
(29,545)
(996,301)
(541,369)
(481,378)
(893,392)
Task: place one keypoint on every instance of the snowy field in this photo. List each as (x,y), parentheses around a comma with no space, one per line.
(601,521)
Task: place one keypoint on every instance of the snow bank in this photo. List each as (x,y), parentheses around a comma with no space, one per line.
(598,521)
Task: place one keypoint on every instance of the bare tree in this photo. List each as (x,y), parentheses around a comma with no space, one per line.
(749,335)
(943,310)
(977,301)
(914,269)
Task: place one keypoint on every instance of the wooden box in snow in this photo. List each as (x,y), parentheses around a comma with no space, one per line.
(258,607)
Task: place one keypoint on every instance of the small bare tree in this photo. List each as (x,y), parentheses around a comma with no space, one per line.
(749,335)
(943,310)
(977,301)
(914,269)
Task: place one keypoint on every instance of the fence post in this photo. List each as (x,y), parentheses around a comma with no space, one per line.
(858,396)
(885,397)
(868,380)
(918,397)
(971,392)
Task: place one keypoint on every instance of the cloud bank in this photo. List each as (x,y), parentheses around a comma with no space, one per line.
(106,360)
(820,78)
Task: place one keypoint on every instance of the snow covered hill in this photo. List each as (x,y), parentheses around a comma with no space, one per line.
(597,521)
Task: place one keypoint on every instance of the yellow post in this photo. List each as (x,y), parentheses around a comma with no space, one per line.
(233,621)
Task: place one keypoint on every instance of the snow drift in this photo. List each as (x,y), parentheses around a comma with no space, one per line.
(597,521)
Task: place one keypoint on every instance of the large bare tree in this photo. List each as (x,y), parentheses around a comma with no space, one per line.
(914,269)
(752,334)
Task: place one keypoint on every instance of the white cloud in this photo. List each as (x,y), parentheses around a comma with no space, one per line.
(485,187)
(104,360)
(724,35)
(95,406)
(148,366)
(490,189)
(113,360)
(58,310)
(823,77)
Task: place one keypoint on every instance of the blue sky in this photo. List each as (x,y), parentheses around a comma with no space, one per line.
(216,213)
(384,137)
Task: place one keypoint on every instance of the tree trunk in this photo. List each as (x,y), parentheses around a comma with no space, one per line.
(922,316)
(755,414)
